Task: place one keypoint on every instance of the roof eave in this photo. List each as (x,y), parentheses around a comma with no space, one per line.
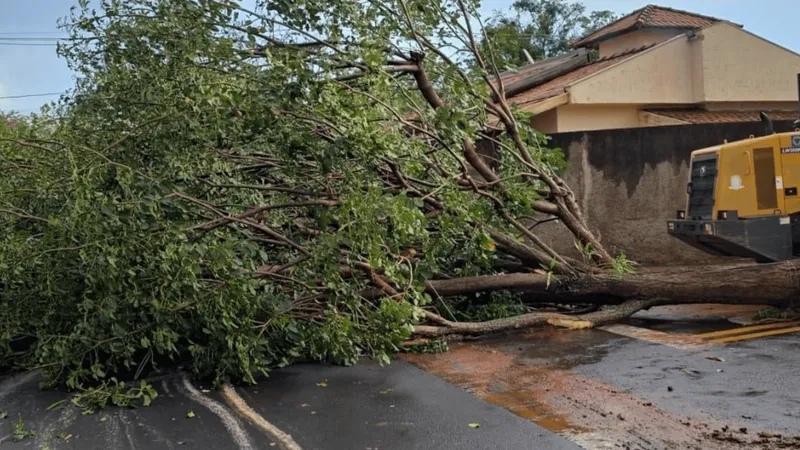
(586,38)
(590,42)
(547,104)
(605,37)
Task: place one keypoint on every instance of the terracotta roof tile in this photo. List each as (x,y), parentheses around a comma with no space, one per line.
(651,16)
(703,116)
(558,85)
(658,16)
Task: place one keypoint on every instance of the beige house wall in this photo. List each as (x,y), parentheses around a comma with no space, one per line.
(719,68)
(662,75)
(740,66)
(698,81)
(596,117)
(635,39)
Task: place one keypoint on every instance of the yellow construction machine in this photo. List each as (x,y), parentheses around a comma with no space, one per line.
(743,198)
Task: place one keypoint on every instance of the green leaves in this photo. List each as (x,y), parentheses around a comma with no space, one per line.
(543,28)
(114,392)
(20,433)
(185,119)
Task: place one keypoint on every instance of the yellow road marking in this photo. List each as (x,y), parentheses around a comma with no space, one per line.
(681,341)
(689,341)
(237,403)
(740,337)
(742,330)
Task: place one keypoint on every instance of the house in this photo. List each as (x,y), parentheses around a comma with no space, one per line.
(659,66)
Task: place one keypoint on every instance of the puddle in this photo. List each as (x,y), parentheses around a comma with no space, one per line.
(528,405)
(553,348)
(518,372)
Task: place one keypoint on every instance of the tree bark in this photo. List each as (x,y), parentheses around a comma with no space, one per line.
(446,327)
(764,284)
(774,284)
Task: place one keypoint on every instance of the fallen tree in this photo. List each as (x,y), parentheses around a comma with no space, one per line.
(776,284)
(243,189)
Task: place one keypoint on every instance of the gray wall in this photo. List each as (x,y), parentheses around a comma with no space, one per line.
(630,181)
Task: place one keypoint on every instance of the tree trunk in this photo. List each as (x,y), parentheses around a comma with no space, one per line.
(768,284)
(752,283)
(749,283)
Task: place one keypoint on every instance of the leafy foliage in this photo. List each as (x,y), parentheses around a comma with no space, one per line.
(543,28)
(20,433)
(480,308)
(768,313)
(431,346)
(621,266)
(116,393)
(229,187)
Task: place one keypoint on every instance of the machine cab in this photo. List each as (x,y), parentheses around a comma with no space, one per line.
(742,198)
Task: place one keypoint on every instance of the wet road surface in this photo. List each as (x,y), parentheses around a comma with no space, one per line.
(755,383)
(163,425)
(659,385)
(395,407)
(654,382)
(322,407)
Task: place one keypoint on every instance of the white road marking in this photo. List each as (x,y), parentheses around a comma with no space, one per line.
(236,402)
(11,384)
(230,421)
(165,388)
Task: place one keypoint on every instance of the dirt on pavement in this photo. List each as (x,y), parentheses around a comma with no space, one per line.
(589,413)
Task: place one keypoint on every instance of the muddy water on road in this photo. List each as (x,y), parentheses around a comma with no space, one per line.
(529,375)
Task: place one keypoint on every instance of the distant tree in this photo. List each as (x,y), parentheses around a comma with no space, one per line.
(543,28)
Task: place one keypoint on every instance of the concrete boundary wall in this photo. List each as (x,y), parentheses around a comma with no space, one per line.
(630,181)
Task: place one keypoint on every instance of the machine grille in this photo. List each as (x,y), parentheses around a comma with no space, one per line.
(701,194)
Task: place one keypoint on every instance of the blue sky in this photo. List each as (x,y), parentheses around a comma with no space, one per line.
(28,69)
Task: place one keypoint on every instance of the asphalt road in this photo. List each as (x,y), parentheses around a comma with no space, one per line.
(647,384)
(322,407)
(662,388)
(164,425)
(393,407)
(756,384)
